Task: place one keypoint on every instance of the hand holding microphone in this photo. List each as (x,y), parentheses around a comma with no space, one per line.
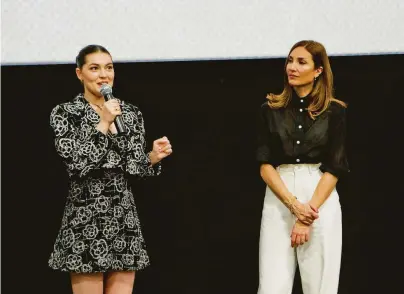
(112,109)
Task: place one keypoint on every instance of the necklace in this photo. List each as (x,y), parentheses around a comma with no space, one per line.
(100,107)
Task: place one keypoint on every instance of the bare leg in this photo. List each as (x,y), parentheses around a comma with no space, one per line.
(119,283)
(87,283)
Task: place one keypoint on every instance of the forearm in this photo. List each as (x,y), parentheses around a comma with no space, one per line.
(323,190)
(103,127)
(153,158)
(272,178)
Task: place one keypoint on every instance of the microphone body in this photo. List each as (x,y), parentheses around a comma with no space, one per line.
(106,91)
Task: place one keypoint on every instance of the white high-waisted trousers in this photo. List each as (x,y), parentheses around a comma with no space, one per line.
(318,259)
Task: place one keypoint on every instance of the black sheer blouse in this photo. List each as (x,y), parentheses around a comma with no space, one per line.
(289,136)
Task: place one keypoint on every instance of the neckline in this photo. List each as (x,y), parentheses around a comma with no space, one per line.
(300,102)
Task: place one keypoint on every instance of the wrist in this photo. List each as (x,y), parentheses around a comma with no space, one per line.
(103,126)
(290,203)
(153,157)
(314,205)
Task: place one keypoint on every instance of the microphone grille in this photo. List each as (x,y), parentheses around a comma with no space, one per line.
(105,89)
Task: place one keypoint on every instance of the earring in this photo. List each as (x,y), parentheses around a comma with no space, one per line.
(315,78)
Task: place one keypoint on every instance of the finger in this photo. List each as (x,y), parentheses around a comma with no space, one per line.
(163,140)
(168,146)
(169,151)
(306,237)
(293,239)
(113,108)
(297,241)
(314,215)
(112,104)
(312,207)
(302,239)
(163,148)
(113,100)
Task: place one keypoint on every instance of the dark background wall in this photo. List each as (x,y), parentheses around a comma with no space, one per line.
(201,217)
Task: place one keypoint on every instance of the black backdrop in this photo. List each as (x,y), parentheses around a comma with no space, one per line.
(201,217)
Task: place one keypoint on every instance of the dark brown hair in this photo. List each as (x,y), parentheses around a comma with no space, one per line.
(81,57)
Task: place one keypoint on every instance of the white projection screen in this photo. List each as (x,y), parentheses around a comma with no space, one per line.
(53,31)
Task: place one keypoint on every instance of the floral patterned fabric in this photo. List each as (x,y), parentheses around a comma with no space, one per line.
(100,228)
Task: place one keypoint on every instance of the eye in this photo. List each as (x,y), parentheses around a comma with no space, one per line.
(302,62)
(110,67)
(93,68)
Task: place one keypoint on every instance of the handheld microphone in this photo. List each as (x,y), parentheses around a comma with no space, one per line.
(106,91)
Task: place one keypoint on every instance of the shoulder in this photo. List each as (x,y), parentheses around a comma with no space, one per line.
(337,112)
(266,109)
(73,107)
(265,105)
(337,108)
(129,107)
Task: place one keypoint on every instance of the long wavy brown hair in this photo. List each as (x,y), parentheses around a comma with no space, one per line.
(323,89)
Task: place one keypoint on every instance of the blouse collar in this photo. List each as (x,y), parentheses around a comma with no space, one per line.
(300,102)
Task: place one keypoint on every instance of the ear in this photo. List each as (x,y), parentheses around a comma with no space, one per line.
(79,74)
(319,71)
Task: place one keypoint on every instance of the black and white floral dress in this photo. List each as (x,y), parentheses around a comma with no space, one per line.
(100,229)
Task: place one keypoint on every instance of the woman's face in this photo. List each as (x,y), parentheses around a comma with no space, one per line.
(300,68)
(97,70)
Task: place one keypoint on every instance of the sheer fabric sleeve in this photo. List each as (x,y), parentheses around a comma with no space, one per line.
(336,161)
(263,152)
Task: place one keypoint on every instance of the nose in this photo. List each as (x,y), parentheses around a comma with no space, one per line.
(103,73)
(292,66)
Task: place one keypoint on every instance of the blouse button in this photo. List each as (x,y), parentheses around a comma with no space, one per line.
(298,142)
(302,100)
(298,160)
(300,126)
(301,110)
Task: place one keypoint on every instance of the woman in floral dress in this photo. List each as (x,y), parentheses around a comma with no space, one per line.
(100,240)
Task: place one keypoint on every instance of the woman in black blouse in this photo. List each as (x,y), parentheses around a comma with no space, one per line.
(302,154)
(100,231)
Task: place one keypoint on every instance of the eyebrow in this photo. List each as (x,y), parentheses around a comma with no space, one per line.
(299,58)
(110,63)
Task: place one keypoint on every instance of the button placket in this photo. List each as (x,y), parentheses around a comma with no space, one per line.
(299,129)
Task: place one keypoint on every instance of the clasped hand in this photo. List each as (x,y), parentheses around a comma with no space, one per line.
(305,212)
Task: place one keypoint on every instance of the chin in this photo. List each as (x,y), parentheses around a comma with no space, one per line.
(298,84)
(294,83)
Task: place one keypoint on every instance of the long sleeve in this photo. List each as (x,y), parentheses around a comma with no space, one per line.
(132,145)
(82,147)
(263,152)
(336,161)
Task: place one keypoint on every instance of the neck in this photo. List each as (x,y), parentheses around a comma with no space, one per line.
(303,91)
(93,99)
